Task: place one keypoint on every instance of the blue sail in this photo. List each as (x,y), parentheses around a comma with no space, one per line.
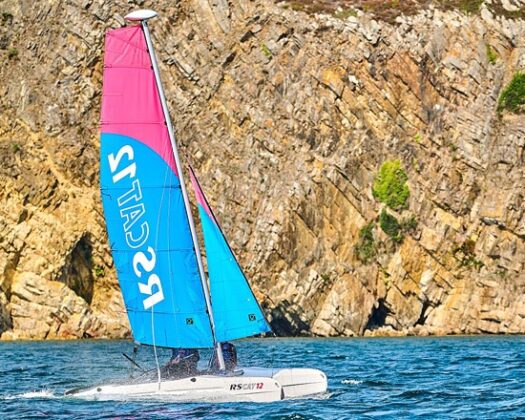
(144,208)
(236,312)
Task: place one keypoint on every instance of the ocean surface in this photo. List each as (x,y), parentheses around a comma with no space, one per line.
(452,377)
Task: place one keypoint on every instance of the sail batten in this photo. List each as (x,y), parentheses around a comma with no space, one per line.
(236,310)
(145,212)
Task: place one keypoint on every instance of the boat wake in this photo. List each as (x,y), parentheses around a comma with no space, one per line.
(43,394)
(327,395)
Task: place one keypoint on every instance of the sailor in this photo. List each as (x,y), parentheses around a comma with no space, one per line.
(229,354)
(183,363)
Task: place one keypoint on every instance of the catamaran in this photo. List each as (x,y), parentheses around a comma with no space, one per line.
(155,246)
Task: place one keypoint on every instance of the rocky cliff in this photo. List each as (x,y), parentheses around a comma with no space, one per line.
(357,159)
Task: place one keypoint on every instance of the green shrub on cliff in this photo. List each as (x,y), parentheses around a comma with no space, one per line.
(365,248)
(345,13)
(390,185)
(12,53)
(466,253)
(513,96)
(99,271)
(390,226)
(492,56)
(266,51)
(470,6)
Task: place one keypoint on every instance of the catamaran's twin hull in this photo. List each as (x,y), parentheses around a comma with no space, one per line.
(255,385)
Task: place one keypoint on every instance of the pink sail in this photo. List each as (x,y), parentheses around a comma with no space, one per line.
(130,102)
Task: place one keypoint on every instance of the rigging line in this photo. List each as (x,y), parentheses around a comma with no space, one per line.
(273,350)
(133,362)
(166,148)
(170,268)
(159,213)
(155,347)
(156,242)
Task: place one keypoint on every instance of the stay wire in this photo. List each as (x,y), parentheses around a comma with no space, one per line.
(273,336)
(155,348)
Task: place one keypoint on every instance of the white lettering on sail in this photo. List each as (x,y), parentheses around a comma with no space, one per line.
(136,233)
(134,242)
(114,161)
(155,298)
(141,259)
(127,171)
(134,194)
(131,215)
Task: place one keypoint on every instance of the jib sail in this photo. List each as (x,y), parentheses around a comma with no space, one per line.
(235,309)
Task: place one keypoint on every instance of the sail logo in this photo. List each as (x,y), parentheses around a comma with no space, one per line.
(136,228)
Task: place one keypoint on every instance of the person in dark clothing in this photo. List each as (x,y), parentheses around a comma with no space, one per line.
(230,358)
(183,363)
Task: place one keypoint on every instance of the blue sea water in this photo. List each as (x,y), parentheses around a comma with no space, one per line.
(451,377)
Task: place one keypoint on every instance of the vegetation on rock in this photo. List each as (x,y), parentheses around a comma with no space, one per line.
(12,53)
(266,51)
(466,254)
(469,6)
(345,13)
(513,96)
(365,248)
(99,271)
(390,185)
(492,56)
(389,10)
(390,226)
(409,224)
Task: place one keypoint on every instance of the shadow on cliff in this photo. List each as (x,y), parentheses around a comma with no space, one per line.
(378,316)
(77,271)
(286,323)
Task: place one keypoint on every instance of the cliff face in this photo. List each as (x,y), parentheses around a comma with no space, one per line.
(287,118)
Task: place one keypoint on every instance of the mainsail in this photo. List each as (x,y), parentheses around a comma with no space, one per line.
(145,213)
(236,311)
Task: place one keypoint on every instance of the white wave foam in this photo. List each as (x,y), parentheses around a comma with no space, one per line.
(351,382)
(44,393)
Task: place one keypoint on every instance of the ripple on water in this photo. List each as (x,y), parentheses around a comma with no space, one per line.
(376,383)
(339,357)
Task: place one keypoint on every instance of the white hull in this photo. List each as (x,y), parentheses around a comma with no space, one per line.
(254,384)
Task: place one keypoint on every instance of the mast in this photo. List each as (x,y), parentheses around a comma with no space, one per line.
(142,16)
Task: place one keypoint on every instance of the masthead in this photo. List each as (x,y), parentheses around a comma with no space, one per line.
(140,15)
